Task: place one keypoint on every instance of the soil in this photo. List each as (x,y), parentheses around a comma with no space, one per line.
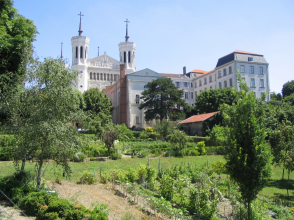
(101,193)
(11,213)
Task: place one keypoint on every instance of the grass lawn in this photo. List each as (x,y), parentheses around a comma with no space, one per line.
(275,187)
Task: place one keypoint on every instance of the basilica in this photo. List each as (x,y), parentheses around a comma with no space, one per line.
(123,84)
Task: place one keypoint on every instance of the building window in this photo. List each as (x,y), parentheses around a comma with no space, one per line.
(230,70)
(145,87)
(195,84)
(185,84)
(260,70)
(200,83)
(94,76)
(225,84)
(219,85)
(225,72)
(210,87)
(186,95)
(194,74)
(192,104)
(252,83)
(77,52)
(210,79)
(81,52)
(137,120)
(90,75)
(98,76)
(195,95)
(250,59)
(148,122)
(137,99)
(200,91)
(219,74)
(231,82)
(129,56)
(192,95)
(125,56)
(251,69)
(191,85)
(177,84)
(242,68)
(205,81)
(261,83)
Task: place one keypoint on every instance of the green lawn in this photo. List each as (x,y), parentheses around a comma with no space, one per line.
(275,187)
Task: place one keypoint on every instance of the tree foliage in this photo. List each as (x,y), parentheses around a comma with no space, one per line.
(161,100)
(41,114)
(16,36)
(248,155)
(211,100)
(288,88)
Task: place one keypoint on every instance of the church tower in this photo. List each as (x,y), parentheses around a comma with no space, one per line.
(127,52)
(80,48)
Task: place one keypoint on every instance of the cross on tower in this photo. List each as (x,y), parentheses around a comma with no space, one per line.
(127,32)
(80,29)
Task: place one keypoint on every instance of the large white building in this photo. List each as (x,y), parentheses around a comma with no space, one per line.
(124,85)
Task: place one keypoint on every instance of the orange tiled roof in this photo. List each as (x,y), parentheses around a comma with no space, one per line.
(173,75)
(240,51)
(198,71)
(198,118)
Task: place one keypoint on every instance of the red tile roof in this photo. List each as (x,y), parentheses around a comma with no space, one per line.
(198,71)
(198,118)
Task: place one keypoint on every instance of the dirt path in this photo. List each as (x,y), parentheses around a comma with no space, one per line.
(11,213)
(88,194)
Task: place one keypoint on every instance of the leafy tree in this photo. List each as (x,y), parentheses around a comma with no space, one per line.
(281,141)
(276,97)
(288,88)
(164,128)
(41,114)
(109,135)
(82,104)
(162,99)
(179,138)
(248,155)
(16,36)
(211,100)
(99,106)
(123,132)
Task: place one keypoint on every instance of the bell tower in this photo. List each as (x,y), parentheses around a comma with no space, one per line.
(80,49)
(127,52)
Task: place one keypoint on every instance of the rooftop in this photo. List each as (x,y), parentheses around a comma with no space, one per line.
(198,118)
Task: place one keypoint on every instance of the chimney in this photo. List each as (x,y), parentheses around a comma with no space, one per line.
(184,71)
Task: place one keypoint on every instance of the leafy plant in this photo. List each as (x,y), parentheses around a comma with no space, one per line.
(166,187)
(87,178)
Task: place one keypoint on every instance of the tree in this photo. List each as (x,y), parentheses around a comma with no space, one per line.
(161,99)
(41,114)
(179,138)
(288,88)
(109,135)
(16,36)
(211,100)
(99,106)
(248,155)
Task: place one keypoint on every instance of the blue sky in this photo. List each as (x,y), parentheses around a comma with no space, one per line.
(170,34)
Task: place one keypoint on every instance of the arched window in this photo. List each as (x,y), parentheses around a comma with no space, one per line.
(97,76)
(90,75)
(125,56)
(129,56)
(108,77)
(137,99)
(101,76)
(81,52)
(104,76)
(94,76)
(77,52)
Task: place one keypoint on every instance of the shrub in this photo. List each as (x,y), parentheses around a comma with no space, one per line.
(131,175)
(79,157)
(105,178)
(218,167)
(115,156)
(201,147)
(100,212)
(87,178)
(143,154)
(149,129)
(166,187)
(142,173)
(208,142)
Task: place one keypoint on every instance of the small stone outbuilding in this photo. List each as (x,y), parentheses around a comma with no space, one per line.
(194,124)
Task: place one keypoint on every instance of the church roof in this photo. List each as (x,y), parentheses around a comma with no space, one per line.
(198,118)
(170,75)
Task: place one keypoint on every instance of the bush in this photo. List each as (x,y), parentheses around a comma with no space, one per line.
(201,147)
(206,140)
(87,178)
(79,157)
(166,187)
(132,175)
(143,154)
(115,156)
(219,167)
(149,129)
(100,212)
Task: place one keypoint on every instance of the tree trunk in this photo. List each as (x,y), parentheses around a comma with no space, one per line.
(23,164)
(248,210)
(39,174)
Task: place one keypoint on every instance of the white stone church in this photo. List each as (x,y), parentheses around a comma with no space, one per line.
(123,84)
